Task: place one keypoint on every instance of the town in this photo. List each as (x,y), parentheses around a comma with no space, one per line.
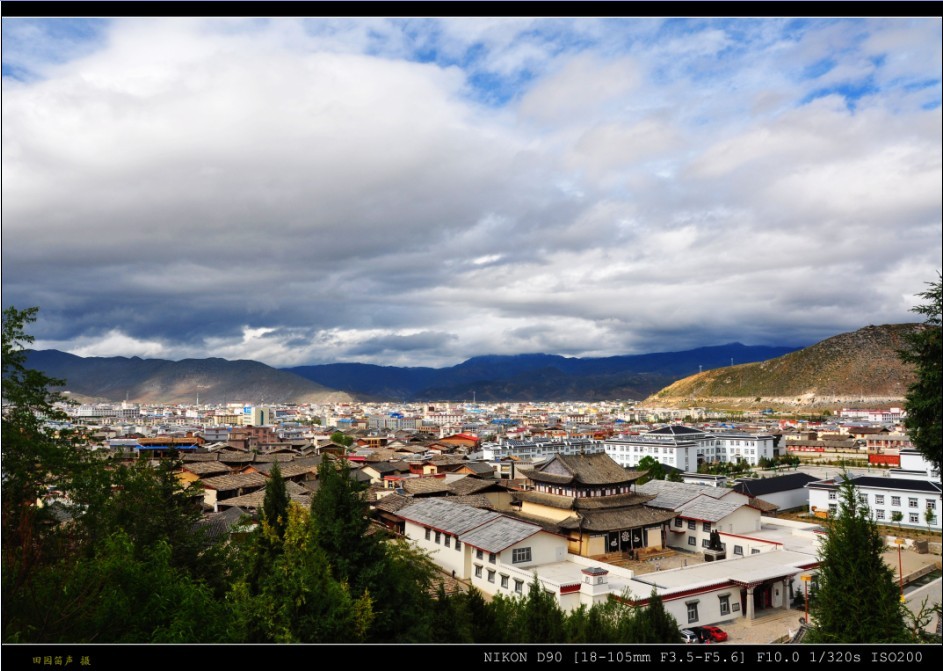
(496,494)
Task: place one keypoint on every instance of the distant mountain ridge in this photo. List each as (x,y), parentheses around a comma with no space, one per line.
(846,370)
(523,377)
(160,381)
(527,377)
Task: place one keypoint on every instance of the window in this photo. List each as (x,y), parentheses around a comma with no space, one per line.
(912,502)
(438,537)
(692,525)
(738,549)
(754,551)
(895,500)
(520,555)
(879,514)
(679,522)
(504,581)
(447,541)
(931,505)
(479,554)
(832,496)
(428,534)
(725,604)
(519,586)
(832,508)
(692,541)
(863,498)
(477,571)
(705,542)
(692,612)
(492,557)
(458,544)
(879,499)
(490,575)
(706,527)
(914,518)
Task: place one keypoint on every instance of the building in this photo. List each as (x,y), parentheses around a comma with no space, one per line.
(784,491)
(589,498)
(915,500)
(685,447)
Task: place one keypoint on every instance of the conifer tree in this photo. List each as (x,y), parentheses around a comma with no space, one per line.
(857,600)
(276,501)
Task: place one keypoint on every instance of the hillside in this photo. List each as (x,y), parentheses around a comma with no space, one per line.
(527,377)
(847,370)
(161,381)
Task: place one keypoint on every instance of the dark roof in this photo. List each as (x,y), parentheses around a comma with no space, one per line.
(479,467)
(612,520)
(781,483)
(584,503)
(225,483)
(388,467)
(897,483)
(471,485)
(427,486)
(583,469)
(440,513)
(392,503)
(202,468)
(221,523)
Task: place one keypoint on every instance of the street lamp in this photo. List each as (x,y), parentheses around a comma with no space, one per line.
(805,581)
(899,542)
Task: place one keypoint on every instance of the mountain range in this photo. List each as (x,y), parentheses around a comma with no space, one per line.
(528,377)
(485,378)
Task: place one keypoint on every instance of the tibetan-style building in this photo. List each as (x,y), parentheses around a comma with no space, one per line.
(590,499)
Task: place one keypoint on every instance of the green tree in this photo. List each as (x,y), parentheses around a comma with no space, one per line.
(925,396)
(275,503)
(897,517)
(655,471)
(342,438)
(37,456)
(853,579)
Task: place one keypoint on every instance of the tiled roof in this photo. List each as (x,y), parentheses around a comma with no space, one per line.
(393,503)
(225,483)
(425,486)
(585,469)
(444,515)
(672,495)
(206,468)
(614,520)
(707,509)
(470,485)
(499,534)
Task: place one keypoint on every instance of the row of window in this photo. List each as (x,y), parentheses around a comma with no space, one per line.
(912,518)
(692,608)
(912,501)
(443,539)
(505,579)
(692,525)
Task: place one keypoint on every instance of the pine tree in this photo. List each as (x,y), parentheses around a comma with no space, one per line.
(857,600)
(276,502)
(925,396)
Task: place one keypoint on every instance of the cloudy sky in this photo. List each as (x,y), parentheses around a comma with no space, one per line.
(415,192)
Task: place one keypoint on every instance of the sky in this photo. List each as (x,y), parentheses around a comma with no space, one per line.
(419,191)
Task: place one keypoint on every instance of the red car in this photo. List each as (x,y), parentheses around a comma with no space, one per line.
(716,634)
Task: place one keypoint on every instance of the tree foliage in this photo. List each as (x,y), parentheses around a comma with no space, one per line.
(857,599)
(925,396)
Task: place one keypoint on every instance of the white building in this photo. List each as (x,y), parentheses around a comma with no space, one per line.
(913,499)
(684,447)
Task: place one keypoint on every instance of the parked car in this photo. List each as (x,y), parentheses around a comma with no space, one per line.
(715,634)
(688,636)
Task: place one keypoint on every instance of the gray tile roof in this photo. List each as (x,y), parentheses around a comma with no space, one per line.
(439,513)
(708,509)
(672,495)
(499,534)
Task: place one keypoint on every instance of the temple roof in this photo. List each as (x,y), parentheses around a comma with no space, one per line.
(583,470)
